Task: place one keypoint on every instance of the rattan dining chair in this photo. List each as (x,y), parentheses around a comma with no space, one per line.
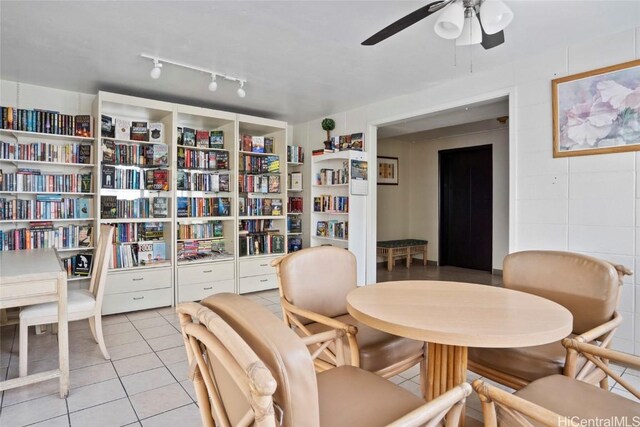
(588,287)
(236,338)
(81,303)
(314,284)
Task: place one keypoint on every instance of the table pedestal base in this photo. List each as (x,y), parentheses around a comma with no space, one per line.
(446,368)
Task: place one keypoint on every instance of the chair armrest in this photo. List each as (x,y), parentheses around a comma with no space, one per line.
(316,317)
(601,330)
(432,412)
(491,396)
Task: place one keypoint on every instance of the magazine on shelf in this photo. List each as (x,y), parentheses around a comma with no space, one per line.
(156,132)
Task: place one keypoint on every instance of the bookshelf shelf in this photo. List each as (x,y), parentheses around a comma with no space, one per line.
(203,149)
(129,141)
(77,278)
(294,191)
(254,153)
(330,185)
(24,134)
(333,239)
(142,267)
(203,218)
(56,164)
(47,192)
(133,220)
(330,213)
(295,163)
(78,248)
(12,221)
(205,260)
(261,217)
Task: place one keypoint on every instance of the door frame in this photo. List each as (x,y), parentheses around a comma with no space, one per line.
(372,151)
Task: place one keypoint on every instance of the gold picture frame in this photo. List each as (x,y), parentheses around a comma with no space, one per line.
(597,111)
(387,171)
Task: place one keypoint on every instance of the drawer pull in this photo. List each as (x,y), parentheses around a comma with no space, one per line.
(264,265)
(264,280)
(137,279)
(207,271)
(207,289)
(138,298)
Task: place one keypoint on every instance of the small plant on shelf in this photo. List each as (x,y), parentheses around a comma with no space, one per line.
(328,125)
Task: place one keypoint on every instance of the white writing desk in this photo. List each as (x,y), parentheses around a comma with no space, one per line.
(32,277)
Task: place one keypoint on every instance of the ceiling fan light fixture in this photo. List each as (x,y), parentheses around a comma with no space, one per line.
(496,16)
(471,33)
(450,23)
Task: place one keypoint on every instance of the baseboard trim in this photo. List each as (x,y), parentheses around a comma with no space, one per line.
(496,272)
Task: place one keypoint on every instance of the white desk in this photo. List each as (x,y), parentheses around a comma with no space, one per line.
(31,277)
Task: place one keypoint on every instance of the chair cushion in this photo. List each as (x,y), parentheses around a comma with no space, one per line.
(378,349)
(528,363)
(280,350)
(352,397)
(573,398)
(588,287)
(78,300)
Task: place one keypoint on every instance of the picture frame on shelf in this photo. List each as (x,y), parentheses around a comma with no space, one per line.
(597,112)
(387,170)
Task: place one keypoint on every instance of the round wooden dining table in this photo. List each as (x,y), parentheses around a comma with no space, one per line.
(452,316)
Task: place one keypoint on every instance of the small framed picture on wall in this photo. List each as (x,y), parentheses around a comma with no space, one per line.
(387,171)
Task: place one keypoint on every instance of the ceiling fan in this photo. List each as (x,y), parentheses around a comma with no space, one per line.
(467,21)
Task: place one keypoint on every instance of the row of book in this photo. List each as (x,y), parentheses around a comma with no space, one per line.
(246,226)
(333,229)
(125,129)
(294,224)
(33,180)
(144,207)
(294,181)
(127,255)
(294,244)
(143,155)
(46,152)
(78,265)
(211,182)
(203,160)
(194,250)
(45,206)
(45,235)
(46,121)
(208,230)
(329,203)
(131,179)
(259,244)
(203,206)
(295,154)
(257,144)
(259,206)
(262,164)
(328,176)
(138,232)
(295,205)
(190,137)
(258,183)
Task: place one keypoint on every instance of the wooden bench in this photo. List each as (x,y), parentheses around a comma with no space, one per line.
(392,249)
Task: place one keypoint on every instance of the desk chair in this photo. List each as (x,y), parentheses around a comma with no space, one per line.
(559,400)
(235,340)
(81,303)
(588,287)
(314,284)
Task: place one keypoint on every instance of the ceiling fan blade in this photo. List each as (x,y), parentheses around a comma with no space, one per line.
(402,23)
(489,41)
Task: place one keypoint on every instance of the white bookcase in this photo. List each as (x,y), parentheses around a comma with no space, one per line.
(206,175)
(295,199)
(132,285)
(261,231)
(338,208)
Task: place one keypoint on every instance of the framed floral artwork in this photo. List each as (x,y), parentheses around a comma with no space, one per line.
(597,111)
(387,170)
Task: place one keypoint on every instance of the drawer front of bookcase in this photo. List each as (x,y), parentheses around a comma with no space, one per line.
(205,273)
(256,267)
(132,301)
(144,279)
(258,283)
(198,291)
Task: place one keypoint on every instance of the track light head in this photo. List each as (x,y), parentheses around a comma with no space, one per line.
(157,69)
(241,92)
(213,85)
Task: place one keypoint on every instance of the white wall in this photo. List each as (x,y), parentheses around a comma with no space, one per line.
(583,204)
(22,95)
(394,201)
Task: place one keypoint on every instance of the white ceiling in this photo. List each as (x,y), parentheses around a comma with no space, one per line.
(302,59)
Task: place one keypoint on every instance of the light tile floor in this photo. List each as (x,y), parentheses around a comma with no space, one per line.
(145,382)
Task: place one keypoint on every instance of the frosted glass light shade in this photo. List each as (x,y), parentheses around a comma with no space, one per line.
(471,33)
(451,21)
(495,15)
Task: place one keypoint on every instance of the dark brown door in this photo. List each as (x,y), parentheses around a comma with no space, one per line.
(466,207)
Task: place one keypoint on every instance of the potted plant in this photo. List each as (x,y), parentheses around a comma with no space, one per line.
(328,125)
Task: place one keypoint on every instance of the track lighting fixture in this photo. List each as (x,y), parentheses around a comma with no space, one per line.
(157,69)
(213,84)
(241,91)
